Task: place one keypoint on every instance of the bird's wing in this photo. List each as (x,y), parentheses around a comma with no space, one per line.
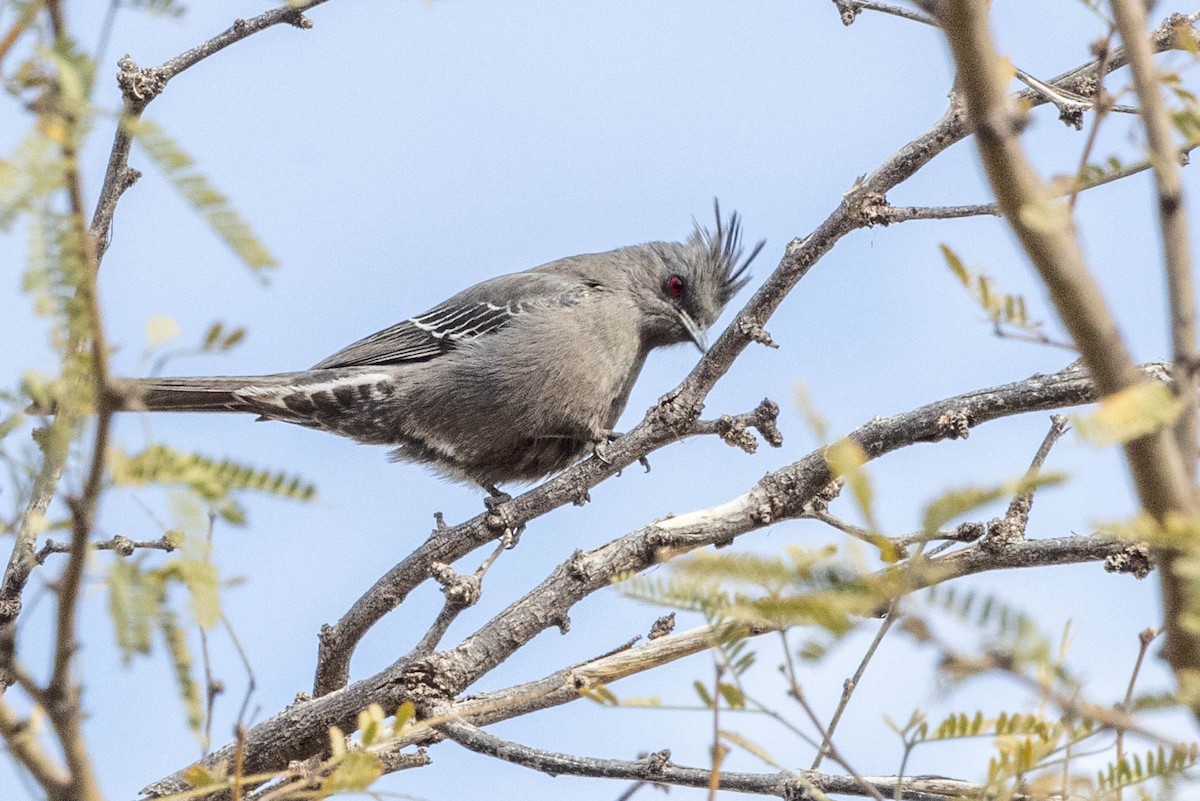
(481,310)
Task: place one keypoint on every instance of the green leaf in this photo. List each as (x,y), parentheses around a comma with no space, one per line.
(135,601)
(746,744)
(370,725)
(404,715)
(213,206)
(181,658)
(954,503)
(732,694)
(355,773)
(1000,307)
(1133,412)
(212,480)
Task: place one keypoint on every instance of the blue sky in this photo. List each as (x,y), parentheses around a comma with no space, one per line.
(400,151)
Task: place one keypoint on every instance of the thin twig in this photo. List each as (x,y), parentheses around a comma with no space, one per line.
(1145,637)
(888,214)
(140,86)
(251,683)
(657,768)
(1100,102)
(20,25)
(122,546)
(851,684)
(20,742)
(850,9)
(461,592)
(716,752)
(827,746)
(1003,533)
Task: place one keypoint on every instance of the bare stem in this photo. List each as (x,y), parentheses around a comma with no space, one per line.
(1130,17)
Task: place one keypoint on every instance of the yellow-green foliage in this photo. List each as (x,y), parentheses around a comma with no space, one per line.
(1011,629)
(179,168)
(139,602)
(1000,307)
(957,502)
(800,587)
(1158,764)
(1129,414)
(211,479)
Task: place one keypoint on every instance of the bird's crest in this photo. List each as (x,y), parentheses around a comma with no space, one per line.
(722,264)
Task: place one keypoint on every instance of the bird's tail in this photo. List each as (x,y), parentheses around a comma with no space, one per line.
(206,394)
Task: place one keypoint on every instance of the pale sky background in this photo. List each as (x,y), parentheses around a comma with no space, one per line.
(402,150)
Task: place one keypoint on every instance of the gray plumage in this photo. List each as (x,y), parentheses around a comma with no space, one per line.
(510,380)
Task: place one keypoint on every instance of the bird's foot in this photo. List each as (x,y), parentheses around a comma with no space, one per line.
(498,519)
(600,444)
(495,498)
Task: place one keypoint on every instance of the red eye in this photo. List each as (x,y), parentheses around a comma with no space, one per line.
(676,285)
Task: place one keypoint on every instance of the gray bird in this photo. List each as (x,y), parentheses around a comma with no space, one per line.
(510,380)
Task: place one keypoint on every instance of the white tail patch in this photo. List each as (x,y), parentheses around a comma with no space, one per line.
(276,394)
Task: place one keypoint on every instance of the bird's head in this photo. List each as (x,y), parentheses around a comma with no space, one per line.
(684,286)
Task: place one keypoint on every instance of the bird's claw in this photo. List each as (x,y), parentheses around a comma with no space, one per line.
(495,499)
(498,519)
(600,446)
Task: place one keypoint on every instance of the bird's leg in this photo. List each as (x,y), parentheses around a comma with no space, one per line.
(495,498)
(498,519)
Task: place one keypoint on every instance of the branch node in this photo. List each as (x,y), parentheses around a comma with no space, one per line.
(735,434)
(765,416)
(848,11)
(460,591)
(754,332)
(1002,534)
(662,627)
(577,566)
(9,609)
(968,532)
(866,208)
(955,425)
(1134,560)
(674,415)
(138,85)
(657,762)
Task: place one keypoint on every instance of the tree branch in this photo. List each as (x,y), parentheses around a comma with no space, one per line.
(140,86)
(1047,233)
(1130,20)
(20,738)
(657,768)
(302,730)
(672,417)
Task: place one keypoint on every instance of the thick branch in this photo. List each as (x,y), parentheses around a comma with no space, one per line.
(670,419)
(1130,17)
(1047,232)
(302,730)
(20,739)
